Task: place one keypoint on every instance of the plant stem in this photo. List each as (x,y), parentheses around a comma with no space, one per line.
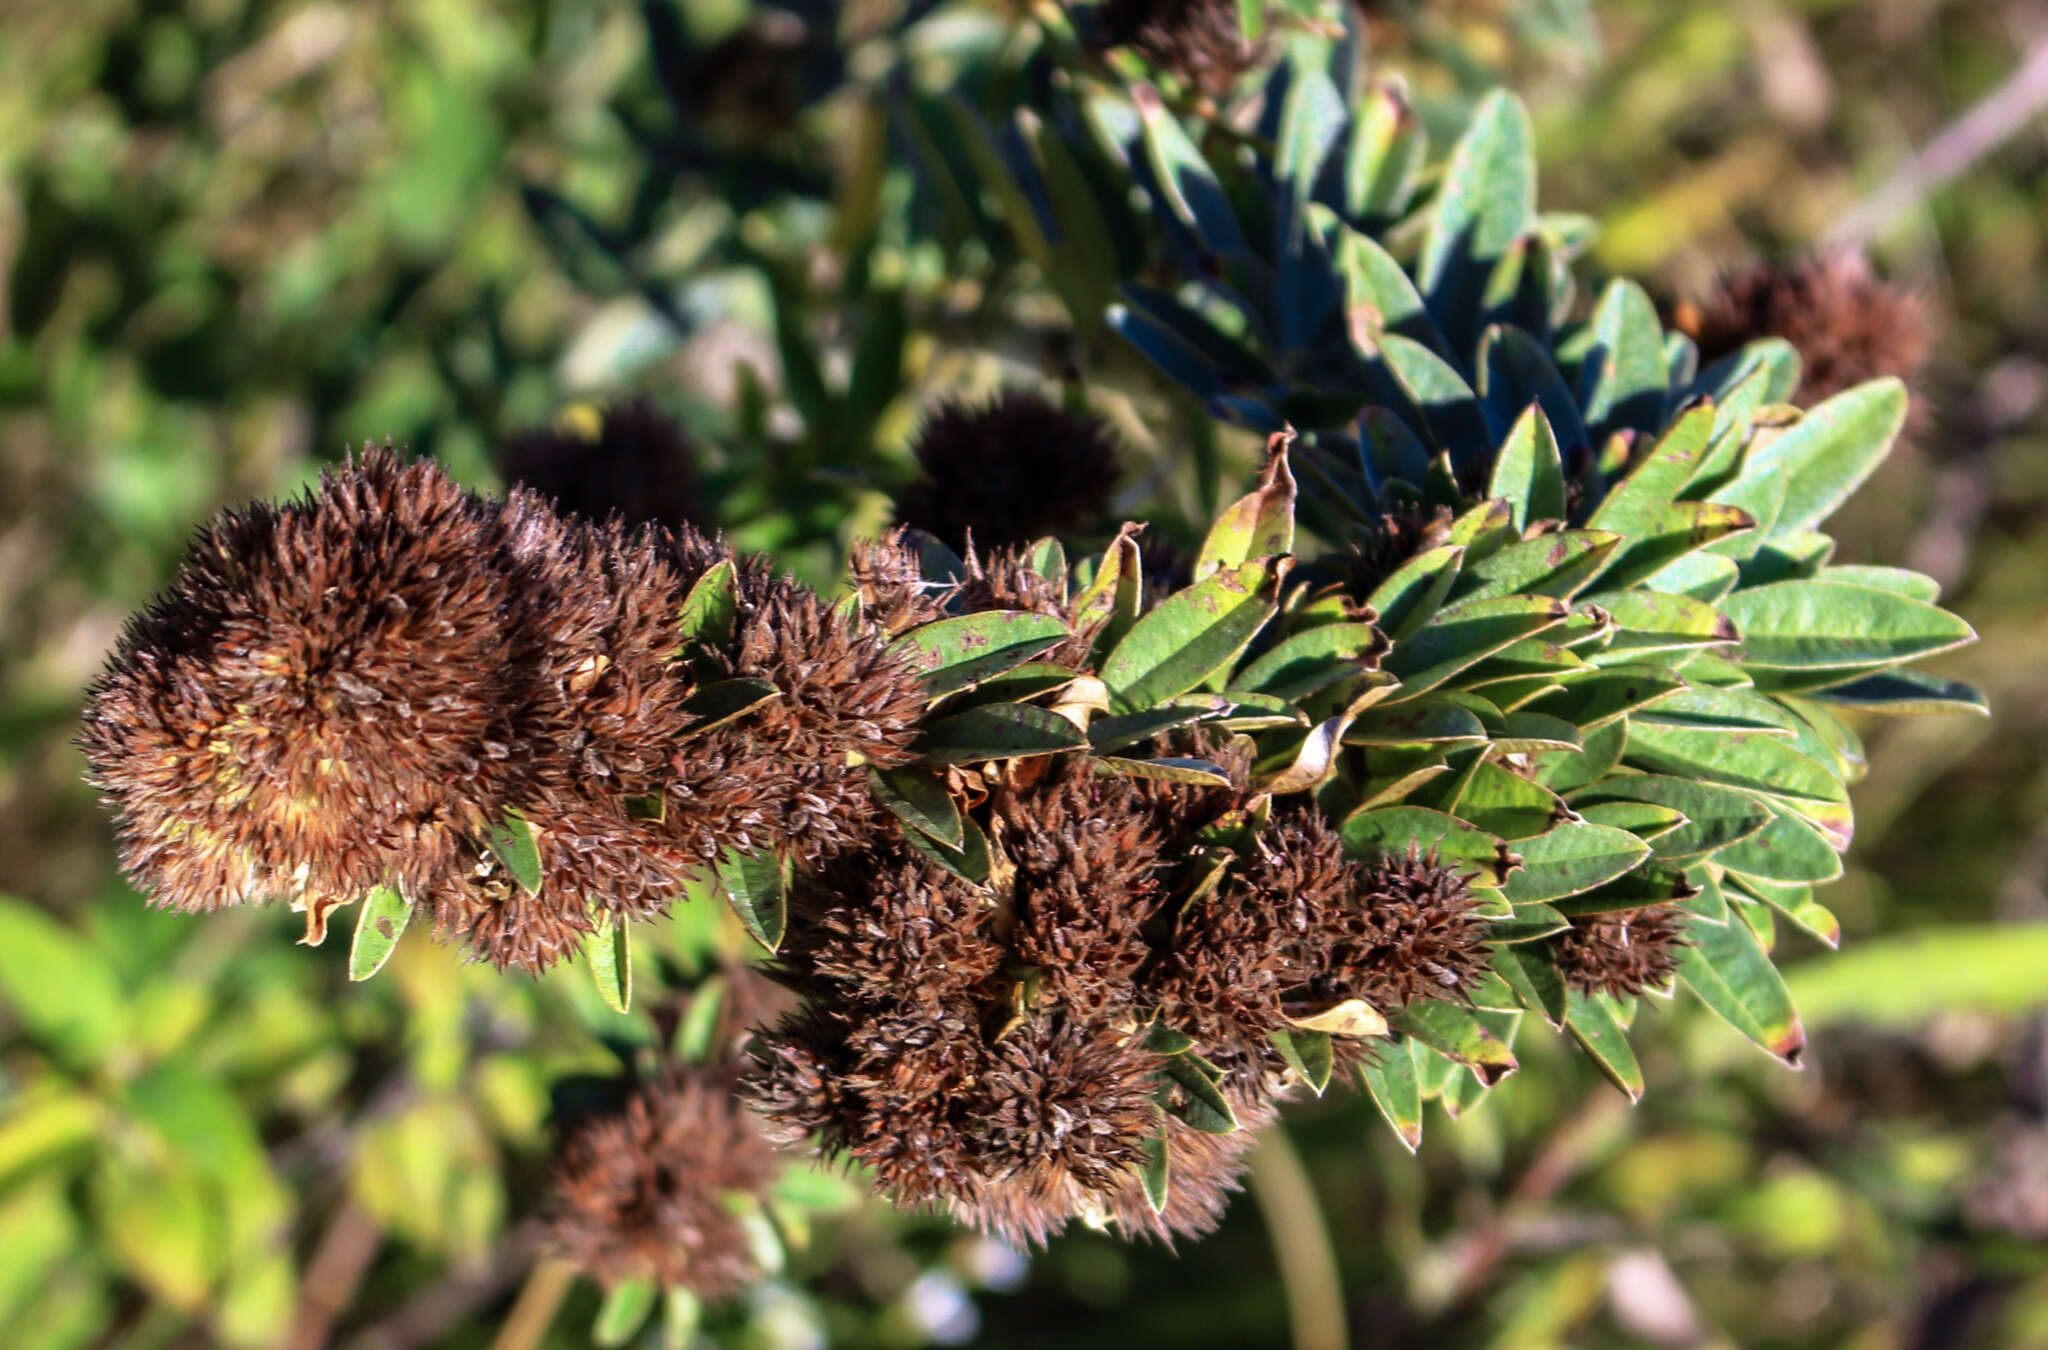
(1301,1243)
(539,1299)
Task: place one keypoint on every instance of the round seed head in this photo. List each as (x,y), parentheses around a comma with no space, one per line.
(1009,471)
(643,1193)
(318,701)
(1621,953)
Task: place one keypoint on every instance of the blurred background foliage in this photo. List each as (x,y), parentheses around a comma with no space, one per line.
(237,236)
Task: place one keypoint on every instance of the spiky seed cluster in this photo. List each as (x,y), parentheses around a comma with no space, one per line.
(987,1049)
(1622,953)
(351,689)
(1009,471)
(1300,929)
(792,774)
(980,1047)
(1848,324)
(318,700)
(648,1192)
(639,466)
(1198,40)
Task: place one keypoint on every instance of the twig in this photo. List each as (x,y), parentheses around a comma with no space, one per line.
(334,1274)
(1965,141)
(1547,1174)
(539,1299)
(1301,1243)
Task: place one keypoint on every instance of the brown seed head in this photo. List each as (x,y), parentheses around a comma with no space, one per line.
(640,467)
(1198,40)
(1622,953)
(317,702)
(1848,324)
(792,774)
(1009,471)
(643,1193)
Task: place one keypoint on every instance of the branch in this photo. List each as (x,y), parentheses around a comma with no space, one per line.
(1968,139)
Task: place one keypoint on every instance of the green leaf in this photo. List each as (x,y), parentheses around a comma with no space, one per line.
(1758,763)
(1199,772)
(1898,580)
(710,609)
(1191,635)
(1155,1172)
(1786,849)
(1604,695)
(513,844)
(1654,481)
(1200,1103)
(959,652)
(1906,691)
(1715,817)
(681,1313)
(1185,179)
(608,949)
(625,1310)
(1571,858)
(1389,832)
(1388,450)
(1459,1036)
(1311,660)
(1795,903)
(1487,200)
(1625,376)
(1505,804)
(1647,621)
(997,731)
(1410,597)
(1819,625)
(1259,525)
(1112,600)
(1571,770)
(1600,1034)
(1379,298)
(1556,565)
(1528,969)
(1308,1054)
(1515,375)
(1384,157)
(920,800)
(1528,923)
(60,989)
(379,924)
(1114,733)
(1428,722)
(970,862)
(1833,449)
(1724,709)
(1448,411)
(1389,1076)
(756,887)
(1529,473)
(1462,635)
(1723,964)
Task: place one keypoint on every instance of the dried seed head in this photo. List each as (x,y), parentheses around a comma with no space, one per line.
(1621,953)
(1298,928)
(792,773)
(639,466)
(644,1193)
(1088,852)
(1408,928)
(890,582)
(746,88)
(316,703)
(1009,471)
(1848,324)
(1063,1111)
(1198,40)
(885,924)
